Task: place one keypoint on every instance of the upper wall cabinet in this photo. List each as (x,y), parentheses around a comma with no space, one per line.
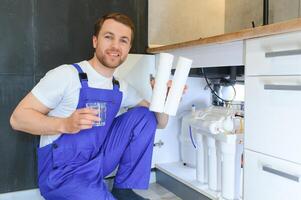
(182,21)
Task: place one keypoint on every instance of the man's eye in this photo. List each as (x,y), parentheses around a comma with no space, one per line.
(124,41)
(108,37)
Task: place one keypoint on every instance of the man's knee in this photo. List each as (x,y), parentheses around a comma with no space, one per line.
(143,113)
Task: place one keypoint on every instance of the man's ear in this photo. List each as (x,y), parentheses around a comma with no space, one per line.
(94,40)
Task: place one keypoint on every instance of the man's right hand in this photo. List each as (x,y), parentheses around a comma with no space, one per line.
(31,116)
(80,119)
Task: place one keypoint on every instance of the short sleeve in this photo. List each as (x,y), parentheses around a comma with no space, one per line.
(51,88)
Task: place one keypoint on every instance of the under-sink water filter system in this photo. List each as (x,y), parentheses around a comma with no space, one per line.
(218,150)
(164,99)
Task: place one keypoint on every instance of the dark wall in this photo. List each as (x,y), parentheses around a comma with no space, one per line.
(36,36)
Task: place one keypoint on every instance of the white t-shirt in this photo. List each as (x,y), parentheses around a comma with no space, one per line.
(59,90)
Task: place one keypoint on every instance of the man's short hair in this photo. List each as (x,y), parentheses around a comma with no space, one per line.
(121,18)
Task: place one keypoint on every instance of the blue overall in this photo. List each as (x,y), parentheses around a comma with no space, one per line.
(73,166)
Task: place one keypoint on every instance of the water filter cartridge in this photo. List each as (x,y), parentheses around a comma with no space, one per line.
(160,87)
(177,87)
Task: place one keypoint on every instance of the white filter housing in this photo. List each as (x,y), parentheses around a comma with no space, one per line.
(220,137)
(231,169)
(202,159)
(214,164)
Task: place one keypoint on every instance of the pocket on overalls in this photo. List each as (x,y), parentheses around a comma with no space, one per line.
(67,163)
(71,156)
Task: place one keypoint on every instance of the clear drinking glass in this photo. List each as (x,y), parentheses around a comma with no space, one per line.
(101,107)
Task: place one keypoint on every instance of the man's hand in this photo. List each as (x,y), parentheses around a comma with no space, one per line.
(80,119)
(31,116)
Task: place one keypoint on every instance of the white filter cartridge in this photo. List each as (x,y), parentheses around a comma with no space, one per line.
(201,159)
(178,84)
(231,170)
(160,87)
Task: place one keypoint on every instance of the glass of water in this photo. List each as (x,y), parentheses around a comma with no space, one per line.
(101,108)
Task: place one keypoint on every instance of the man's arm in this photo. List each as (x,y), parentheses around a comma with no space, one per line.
(31,116)
(162,118)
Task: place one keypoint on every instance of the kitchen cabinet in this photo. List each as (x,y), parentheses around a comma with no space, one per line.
(269,178)
(274,55)
(272,59)
(272,115)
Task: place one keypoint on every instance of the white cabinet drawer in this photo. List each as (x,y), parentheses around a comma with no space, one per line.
(268,178)
(274,55)
(273,116)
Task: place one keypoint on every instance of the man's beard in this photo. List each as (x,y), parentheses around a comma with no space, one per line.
(102,59)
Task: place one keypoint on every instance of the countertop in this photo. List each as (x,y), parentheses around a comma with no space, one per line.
(272,29)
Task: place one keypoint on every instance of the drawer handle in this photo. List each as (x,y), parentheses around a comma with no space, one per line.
(280,173)
(282,87)
(283,53)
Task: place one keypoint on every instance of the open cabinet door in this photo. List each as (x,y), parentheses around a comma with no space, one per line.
(136,70)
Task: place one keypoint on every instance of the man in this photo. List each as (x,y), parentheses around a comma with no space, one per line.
(75,156)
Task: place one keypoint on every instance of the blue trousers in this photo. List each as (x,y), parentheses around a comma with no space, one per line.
(128,144)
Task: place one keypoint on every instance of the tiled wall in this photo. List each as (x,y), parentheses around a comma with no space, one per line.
(17,160)
(36,36)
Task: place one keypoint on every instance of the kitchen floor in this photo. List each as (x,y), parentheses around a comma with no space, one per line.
(157,192)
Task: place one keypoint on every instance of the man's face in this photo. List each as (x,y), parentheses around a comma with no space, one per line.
(112,44)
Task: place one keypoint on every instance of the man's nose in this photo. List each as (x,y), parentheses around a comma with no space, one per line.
(115,44)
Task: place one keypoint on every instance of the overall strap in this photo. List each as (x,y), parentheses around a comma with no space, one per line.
(82,76)
(116,84)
